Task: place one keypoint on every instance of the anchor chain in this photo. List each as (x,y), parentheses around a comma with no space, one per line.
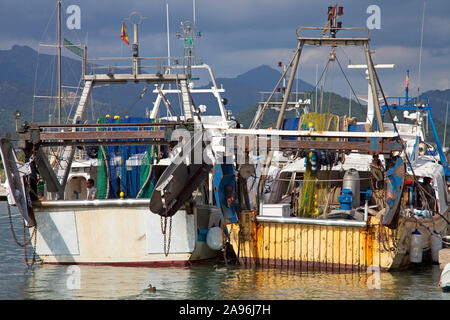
(25,243)
(33,235)
(166,242)
(164,232)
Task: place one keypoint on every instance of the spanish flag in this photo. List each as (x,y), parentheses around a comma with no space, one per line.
(124,35)
(407,79)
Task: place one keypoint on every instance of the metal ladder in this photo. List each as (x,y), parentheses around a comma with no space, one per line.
(186,98)
(65,154)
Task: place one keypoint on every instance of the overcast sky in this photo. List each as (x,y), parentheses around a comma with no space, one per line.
(238,35)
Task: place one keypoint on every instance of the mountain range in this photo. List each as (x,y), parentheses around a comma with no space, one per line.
(24,73)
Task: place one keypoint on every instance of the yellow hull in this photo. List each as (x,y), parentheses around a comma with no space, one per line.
(303,246)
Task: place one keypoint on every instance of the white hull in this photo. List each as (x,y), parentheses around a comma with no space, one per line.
(118,232)
(3,190)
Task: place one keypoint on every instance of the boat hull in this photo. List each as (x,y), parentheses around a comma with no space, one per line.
(119,233)
(305,246)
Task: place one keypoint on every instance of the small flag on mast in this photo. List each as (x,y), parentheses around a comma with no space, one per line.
(73,48)
(407,79)
(124,35)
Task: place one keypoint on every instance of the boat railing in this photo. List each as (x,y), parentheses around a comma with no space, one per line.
(314,30)
(126,65)
(313,221)
(407,103)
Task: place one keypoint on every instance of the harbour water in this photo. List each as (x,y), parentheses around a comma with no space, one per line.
(205,282)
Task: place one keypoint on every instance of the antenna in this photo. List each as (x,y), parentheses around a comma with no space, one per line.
(168,32)
(420,51)
(193,10)
(445,127)
(59,63)
(136,19)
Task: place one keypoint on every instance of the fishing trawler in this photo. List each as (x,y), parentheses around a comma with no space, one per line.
(352,197)
(125,157)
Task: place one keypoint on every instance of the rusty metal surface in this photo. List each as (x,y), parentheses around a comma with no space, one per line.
(104,143)
(103,125)
(80,135)
(369,146)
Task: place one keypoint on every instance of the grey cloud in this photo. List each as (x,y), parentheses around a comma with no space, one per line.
(234,31)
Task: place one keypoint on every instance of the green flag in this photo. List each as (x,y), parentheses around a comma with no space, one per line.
(75,49)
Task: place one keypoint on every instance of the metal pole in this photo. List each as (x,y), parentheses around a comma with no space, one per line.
(445,127)
(420,52)
(350,103)
(193,10)
(59,63)
(261,111)
(315,99)
(135,51)
(168,32)
(85,61)
(376,102)
(289,85)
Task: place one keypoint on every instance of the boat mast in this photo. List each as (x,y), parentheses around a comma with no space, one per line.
(193,10)
(445,127)
(168,35)
(420,50)
(59,62)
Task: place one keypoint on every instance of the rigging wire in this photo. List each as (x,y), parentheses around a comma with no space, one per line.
(353,91)
(141,95)
(350,62)
(52,112)
(37,63)
(322,88)
(260,112)
(35,81)
(331,86)
(323,72)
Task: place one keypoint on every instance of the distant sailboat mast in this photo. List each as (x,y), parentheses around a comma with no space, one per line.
(168,33)
(420,50)
(420,63)
(445,127)
(193,10)
(59,63)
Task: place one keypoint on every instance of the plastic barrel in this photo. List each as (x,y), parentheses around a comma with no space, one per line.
(416,249)
(436,245)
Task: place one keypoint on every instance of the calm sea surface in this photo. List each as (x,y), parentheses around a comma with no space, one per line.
(210,282)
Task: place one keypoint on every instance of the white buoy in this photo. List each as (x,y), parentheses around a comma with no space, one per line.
(444,283)
(214,238)
(436,245)
(416,249)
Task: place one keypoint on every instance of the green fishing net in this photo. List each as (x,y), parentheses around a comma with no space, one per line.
(312,190)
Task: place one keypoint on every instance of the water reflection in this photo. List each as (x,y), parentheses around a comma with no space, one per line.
(220,282)
(197,282)
(100,282)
